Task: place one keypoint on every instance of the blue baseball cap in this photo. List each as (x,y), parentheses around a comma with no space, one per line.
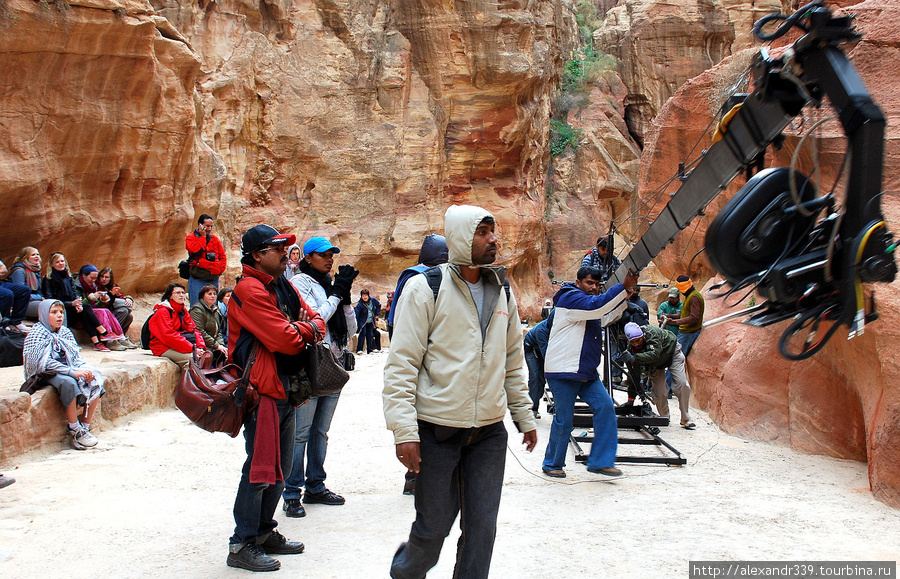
(318,245)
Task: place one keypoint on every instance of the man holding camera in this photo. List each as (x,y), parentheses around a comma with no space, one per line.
(654,350)
(206,257)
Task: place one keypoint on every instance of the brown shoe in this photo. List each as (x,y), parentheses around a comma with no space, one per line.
(608,471)
(555,473)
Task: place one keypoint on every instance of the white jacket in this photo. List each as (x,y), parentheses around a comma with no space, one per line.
(314,295)
(443,367)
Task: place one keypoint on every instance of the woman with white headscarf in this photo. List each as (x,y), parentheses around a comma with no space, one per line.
(50,348)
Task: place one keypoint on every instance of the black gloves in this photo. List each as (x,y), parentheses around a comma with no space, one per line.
(343,281)
(627,357)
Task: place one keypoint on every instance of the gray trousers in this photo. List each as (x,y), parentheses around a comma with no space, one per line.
(680,387)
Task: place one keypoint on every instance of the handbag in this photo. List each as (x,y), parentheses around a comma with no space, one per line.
(348,360)
(37,381)
(184,269)
(216,399)
(326,375)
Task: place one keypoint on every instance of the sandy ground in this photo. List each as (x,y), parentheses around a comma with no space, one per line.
(154,500)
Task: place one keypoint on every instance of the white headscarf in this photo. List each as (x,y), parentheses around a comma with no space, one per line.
(43,344)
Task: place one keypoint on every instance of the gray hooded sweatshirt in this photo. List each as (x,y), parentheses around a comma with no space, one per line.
(445,366)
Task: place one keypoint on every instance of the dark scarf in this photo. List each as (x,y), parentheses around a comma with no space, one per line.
(337,325)
(63,282)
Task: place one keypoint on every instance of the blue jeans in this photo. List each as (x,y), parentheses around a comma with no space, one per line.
(462,472)
(310,439)
(535,376)
(606,432)
(194,286)
(686,340)
(367,334)
(254,506)
(14,298)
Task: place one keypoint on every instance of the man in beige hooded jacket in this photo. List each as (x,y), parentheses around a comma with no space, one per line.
(455,366)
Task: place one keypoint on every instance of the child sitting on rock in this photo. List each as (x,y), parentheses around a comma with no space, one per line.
(51,348)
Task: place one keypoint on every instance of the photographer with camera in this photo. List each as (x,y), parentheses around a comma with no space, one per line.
(653,350)
(206,257)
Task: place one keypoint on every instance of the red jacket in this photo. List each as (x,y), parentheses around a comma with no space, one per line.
(195,243)
(254,309)
(166,325)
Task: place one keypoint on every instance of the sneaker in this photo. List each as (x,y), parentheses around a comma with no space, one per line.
(277,544)
(537,415)
(128,344)
(116,346)
(608,471)
(252,557)
(5,481)
(81,438)
(688,425)
(22,327)
(100,347)
(325,497)
(293,508)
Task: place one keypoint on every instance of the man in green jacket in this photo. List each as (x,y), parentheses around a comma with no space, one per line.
(653,350)
(456,366)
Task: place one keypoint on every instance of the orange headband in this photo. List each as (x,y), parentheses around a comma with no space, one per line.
(683,286)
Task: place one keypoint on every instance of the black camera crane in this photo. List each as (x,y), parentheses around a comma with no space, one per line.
(769,235)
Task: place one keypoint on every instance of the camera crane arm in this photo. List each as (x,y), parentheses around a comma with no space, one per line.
(817,273)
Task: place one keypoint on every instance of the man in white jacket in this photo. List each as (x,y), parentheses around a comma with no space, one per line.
(455,366)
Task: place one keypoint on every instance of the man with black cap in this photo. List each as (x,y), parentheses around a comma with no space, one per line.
(268,326)
(206,256)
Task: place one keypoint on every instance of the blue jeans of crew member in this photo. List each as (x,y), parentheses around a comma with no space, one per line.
(603,447)
(14,298)
(686,341)
(535,376)
(310,442)
(194,286)
(460,473)
(254,506)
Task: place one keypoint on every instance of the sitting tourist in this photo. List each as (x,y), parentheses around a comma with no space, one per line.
(222,300)
(26,270)
(57,285)
(120,304)
(172,331)
(51,348)
(205,314)
(14,299)
(86,288)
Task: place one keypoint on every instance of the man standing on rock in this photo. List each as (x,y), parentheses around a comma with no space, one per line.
(268,326)
(454,367)
(206,256)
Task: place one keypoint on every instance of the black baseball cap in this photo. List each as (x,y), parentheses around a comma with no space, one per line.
(259,236)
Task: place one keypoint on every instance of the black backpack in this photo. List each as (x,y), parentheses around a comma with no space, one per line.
(145,333)
(12,343)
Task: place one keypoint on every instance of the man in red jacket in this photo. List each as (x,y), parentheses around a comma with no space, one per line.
(206,256)
(268,326)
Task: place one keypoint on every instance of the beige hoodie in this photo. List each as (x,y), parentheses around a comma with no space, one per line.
(443,367)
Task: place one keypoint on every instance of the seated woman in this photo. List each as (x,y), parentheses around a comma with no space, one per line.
(86,288)
(119,304)
(58,286)
(26,270)
(222,305)
(51,348)
(205,314)
(172,331)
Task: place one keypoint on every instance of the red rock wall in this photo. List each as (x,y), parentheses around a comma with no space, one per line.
(845,401)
